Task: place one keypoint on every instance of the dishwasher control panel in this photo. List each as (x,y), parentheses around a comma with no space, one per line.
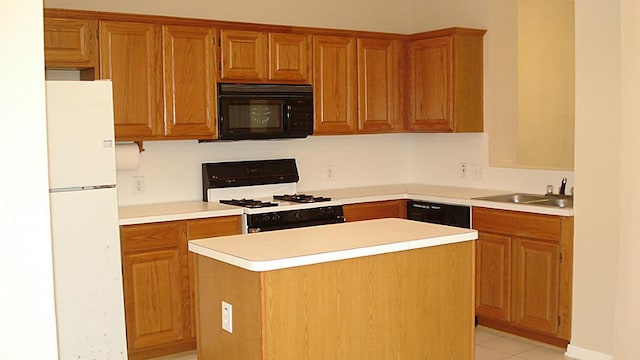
(443,214)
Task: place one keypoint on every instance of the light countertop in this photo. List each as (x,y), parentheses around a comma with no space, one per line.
(317,244)
(139,214)
(434,193)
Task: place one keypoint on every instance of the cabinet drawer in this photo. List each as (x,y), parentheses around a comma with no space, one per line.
(212,227)
(375,210)
(538,226)
(151,236)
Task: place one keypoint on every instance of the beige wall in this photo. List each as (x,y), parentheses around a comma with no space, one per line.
(374,15)
(607,271)
(529,105)
(627,319)
(27,328)
(546,84)
(401,16)
(501,82)
(597,171)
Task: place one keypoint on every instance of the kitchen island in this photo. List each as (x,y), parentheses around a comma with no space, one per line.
(379,289)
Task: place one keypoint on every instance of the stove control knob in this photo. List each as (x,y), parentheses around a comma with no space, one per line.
(266,218)
(298,215)
(275,217)
(326,211)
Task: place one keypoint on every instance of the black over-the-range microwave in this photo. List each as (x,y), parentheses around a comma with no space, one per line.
(264,111)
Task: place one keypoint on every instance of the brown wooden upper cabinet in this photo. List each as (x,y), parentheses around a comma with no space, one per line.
(356,85)
(130,57)
(379,107)
(243,55)
(164,72)
(70,43)
(189,68)
(334,84)
(289,57)
(255,56)
(163,79)
(445,81)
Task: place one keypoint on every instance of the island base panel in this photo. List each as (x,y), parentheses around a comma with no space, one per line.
(415,304)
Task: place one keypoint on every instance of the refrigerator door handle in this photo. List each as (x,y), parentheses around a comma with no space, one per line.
(82,188)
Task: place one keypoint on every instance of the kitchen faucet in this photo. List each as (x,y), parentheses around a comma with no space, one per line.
(561,190)
(563,186)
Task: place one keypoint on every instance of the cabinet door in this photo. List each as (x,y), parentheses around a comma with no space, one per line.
(493,276)
(334,84)
(289,56)
(70,42)
(375,210)
(156,292)
(431,84)
(130,57)
(377,85)
(189,81)
(243,55)
(535,285)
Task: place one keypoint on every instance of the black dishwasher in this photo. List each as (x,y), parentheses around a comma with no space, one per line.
(444,214)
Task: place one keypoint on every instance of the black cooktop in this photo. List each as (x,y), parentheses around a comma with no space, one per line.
(297,198)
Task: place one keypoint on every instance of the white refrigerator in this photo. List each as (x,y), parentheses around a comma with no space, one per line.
(84,216)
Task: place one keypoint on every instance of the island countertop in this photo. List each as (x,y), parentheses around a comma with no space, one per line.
(317,244)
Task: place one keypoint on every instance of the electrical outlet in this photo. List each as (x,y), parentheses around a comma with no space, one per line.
(227,317)
(331,172)
(477,171)
(463,169)
(138,185)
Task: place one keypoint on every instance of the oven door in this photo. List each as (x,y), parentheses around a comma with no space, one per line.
(294,225)
(289,219)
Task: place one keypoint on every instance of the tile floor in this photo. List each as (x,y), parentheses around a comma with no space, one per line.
(189,355)
(495,345)
(490,345)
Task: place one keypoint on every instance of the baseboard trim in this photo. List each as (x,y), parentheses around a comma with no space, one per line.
(585,354)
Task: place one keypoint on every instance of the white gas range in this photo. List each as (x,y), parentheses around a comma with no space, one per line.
(267,191)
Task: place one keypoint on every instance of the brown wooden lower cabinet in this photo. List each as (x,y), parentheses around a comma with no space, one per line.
(493,263)
(158,281)
(524,273)
(375,210)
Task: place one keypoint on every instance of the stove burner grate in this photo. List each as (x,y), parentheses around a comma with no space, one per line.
(301,198)
(248,203)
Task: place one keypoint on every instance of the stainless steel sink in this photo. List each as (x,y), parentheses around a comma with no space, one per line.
(532,199)
(559,202)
